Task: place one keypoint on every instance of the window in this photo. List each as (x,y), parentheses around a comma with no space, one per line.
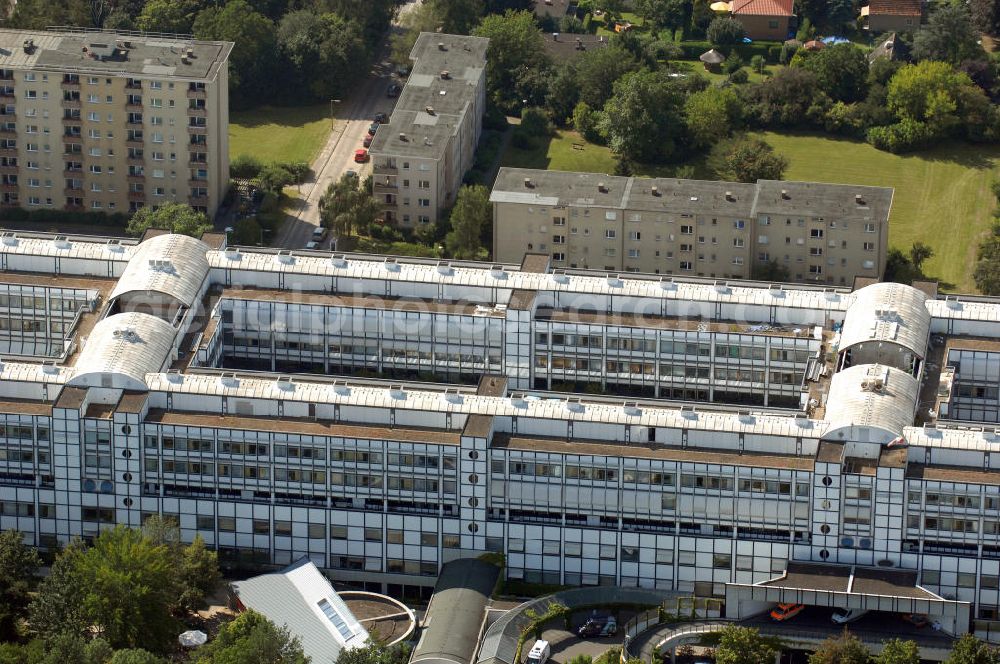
(816,233)
(610,234)
(334,617)
(338,532)
(869,246)
(635,235)
(739,224)
(869,228)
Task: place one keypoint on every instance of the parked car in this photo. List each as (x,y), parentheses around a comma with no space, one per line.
(319,234)
(393,90)
(353,174)
(368,141)
(598,626)
(381,118)
(844,616)
(372,128)
(312,244)
(360,156)
(539,653)
(786,611)
(916,619)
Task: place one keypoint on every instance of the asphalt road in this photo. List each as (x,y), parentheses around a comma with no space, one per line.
(352,116)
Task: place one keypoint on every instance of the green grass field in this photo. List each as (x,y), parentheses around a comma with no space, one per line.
(942,196)
(279,134)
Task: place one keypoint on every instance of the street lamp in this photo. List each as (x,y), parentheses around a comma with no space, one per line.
(228,230)
(332,102)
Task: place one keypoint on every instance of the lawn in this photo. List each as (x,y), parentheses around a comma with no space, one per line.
(942,195)
(691,67)
(271,133)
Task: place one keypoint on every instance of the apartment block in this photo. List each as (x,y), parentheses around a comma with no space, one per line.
(266,399)
(112,122)
(823,233)
(422,154)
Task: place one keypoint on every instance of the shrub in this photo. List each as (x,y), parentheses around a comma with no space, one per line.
(245,167)
(724,31)
(299,170)
(571,25)
(535,122)
(739,77)
(588,19)
(733,63)
(903,136)
(757,64)
(520,140)
(587,122)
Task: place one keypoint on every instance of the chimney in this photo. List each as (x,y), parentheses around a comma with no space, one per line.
(445,74)
(654,190)
(402,137)
(784,195)
(729,196)
(601,188)
(429,109)
(555,36)
(441,46)
(190,52)
(859,199)
(528,183)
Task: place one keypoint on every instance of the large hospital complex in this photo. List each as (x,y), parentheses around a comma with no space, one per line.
(702,436)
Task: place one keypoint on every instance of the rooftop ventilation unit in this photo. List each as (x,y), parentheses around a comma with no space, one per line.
(497,272)
(601,187)
(232,253)
(746,417)
(729,196)
(403,137)
(859,199)
(614,281)
(775,289)
(721,287)
(654,190)
(429,109)
(831,295)
(61,242)
(445,74)
(174,376)
(667,283)
(9,239)
(115,245)
(338,260)
(631,408)
(284,383)
(391,265)
(50,368)
(444,268)
(29,46)
(953,303)
(341,388)
(575,406)
(453,396)
(560,277)
(229,380)
(784,195)
(442,47)
(285,256)
(689,413)
(397,392)
(517,400)
(189,52)
(528,184)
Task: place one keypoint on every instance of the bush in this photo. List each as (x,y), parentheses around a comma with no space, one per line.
(739,77)
(299,170)
(521,141)
(733,63)
(757,64)
(588,19)
(587,122)
(725,31)
(494,118)
(245,167)
(118,219)
(692,50)
(903,136)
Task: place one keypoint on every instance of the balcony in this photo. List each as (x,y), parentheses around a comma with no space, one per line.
(8,186)
(132,106)
(73,172)
(197,130)
(9,169)
(198,200)
(73,191)
(385,187)
(8,151)
(11,202)
(73,207)
(7,132)
(134,142)
(139,196)
(198,182)
(197,162)
(7,95)
(73,140)
(71,121)
(134,160)
(70,85)
(197,112)
(135,177)
(385,169)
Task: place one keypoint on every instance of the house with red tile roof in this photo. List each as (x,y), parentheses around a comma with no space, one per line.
(765,19)
(892,15)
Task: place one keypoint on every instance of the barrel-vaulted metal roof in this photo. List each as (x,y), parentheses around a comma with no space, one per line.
(870,403)
(122,349)
(888,312)
(174,265)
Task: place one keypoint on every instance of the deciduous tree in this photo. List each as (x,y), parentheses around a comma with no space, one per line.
(251,64)
(598,70)
(252,639)
(515,45)
(56,607)
(725,31)
(841,71)
(324,51)
(710,115)
(843,649)
(898,651)
(745,159)
(986,15)
(663,14)
(935,94)
(457,17)
(969,649)
(18,565)
(644,117)
(470,215)
(743,645)
(173,217)
(175,16)
(347,206)
(373,652)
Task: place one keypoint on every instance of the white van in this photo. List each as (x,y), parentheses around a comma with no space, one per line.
(539,653)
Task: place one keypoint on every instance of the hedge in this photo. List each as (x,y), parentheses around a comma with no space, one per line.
(118,219)
(770,51)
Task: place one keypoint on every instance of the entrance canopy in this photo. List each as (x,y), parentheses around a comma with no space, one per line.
(846,587)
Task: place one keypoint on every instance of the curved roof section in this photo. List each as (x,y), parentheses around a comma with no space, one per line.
(456,613)
(175,265)
(889,312)
(870,403)
(122,349)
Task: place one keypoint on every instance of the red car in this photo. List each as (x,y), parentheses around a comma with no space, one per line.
(786,611)
(360,156)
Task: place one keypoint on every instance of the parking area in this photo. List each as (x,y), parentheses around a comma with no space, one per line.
(873,622)
(566,644)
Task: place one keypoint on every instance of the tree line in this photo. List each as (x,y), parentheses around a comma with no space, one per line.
(295,50)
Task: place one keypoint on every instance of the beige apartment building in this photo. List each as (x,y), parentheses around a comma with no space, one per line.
(111,122)
(421,155)
(823,233)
